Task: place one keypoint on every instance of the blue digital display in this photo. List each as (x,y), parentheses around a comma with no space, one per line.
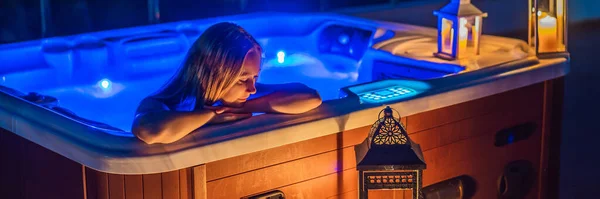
(387,94)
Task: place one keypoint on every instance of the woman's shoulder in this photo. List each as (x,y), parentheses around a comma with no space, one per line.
(151,103)
(157,103)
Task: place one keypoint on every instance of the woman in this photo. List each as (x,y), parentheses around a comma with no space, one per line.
(214,85)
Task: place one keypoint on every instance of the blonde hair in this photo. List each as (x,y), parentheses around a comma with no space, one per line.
(212,65)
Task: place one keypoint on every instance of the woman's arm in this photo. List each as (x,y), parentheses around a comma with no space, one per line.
(155,123)
(293,98)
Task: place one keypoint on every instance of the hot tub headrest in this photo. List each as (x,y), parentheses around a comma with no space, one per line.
(156,52)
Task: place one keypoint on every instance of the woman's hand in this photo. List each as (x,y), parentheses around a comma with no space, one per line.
(226,109)
(229,117)
(227,114)
(293,98)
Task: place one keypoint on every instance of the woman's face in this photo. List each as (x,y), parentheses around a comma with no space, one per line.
(245,86)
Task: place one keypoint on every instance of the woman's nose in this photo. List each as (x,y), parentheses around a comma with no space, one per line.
(251,87)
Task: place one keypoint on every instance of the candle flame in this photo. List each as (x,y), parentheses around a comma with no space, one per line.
(548,21)
(463,32)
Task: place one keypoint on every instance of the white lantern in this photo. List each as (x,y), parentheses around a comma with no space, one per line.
(547,27)
(459,30)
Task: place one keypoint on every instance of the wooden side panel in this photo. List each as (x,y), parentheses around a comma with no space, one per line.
(185,184)
(116,185)
(466,129)
(326,186)
(30,171)
(170,185)
(527,95)
(460,146)
(199,185)
(281,175)
(12,183)
(551,138)
(260,159)
(152,186)
(391,194)
(49,175)
(480,159)
(97,184)
(476,157)
(309,168)
(134,187)
(523,97)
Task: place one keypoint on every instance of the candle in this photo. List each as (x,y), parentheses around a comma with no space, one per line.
(547,34)
(463,36)
(560,24)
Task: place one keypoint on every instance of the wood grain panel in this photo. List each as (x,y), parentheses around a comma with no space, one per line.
(280,175)
(185,183)
(323,187)
(91,184)
(199,182)
(134,187)
(476,157)
(389,194)
(551,138)
(323,164)
(152,186)
(465,129)
(521,98)
(97,184)
(327,186)
(531,95)
(31,171)
(49,175)
(339,185)
(260,159)
(116,186)
(348,195)
(170,185)
(479,158)
(11,179)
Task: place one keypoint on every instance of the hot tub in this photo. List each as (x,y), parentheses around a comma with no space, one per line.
(68,105)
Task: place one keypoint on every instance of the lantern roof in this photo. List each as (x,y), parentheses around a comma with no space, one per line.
(461,8)
(389,146)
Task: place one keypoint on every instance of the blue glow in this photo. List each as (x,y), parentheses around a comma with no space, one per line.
(511,138)
(105,84)
(387,94)
(280,57)
(343,39)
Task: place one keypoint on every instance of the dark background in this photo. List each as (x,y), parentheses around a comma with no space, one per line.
(22,20)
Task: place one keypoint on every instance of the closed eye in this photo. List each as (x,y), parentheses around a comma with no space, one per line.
(242,81)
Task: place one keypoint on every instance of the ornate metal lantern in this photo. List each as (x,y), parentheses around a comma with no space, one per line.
(547,27)
(459,30)
(388,158)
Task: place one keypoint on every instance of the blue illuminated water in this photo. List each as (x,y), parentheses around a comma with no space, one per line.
(114,102)
(103,76)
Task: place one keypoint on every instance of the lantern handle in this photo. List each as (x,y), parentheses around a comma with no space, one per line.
(398,113)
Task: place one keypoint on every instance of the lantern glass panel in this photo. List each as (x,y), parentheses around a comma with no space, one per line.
(447,35)
(468,35)
(547,26)
(477,33)
(463,35)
